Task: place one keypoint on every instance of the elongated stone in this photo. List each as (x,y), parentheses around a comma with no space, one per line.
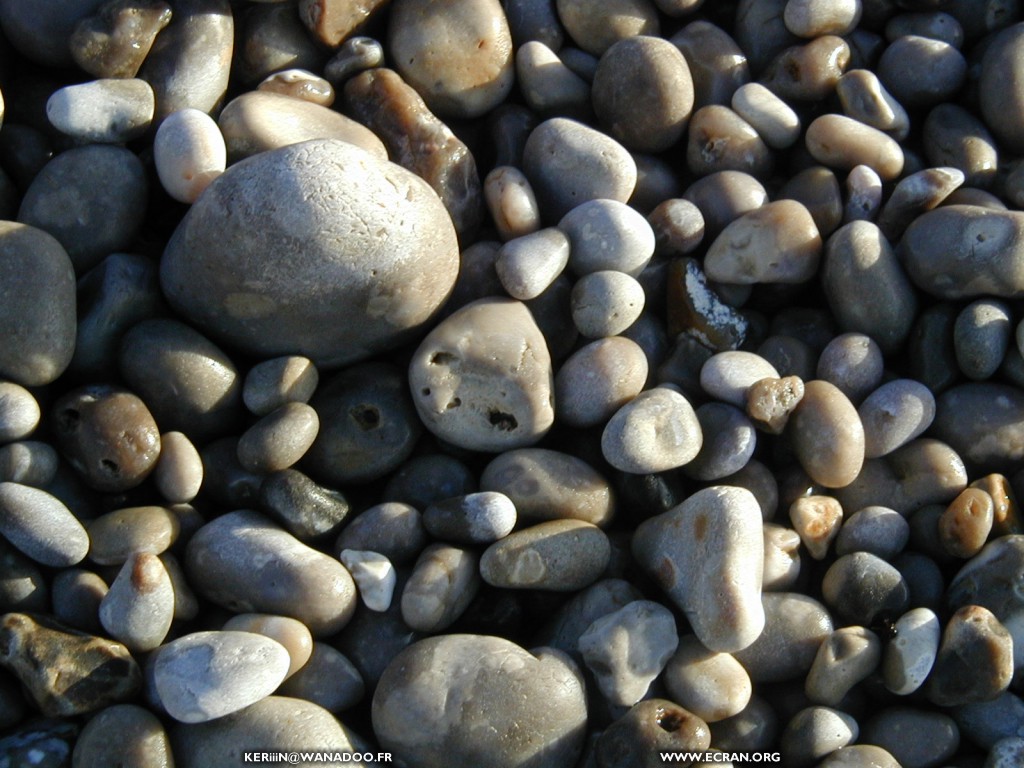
(559,555)
(40,526)
(827,434)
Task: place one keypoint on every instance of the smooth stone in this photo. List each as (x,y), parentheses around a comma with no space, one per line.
(1006,753)
(981,336)
(606,596)
(863,194)
(598,379)
(656,431)
(534,20)
(511,202)
(116,536)
(544,484)
(755,727)
(186,604)
(115,40)
(92,199)
(391,528)
(795,626)
(246,563)
(190,61)
(328,679)
(528,265)
(860,756)
(139,607)
(606,303)
(272,383)
(94,672)
(678,227)
(370,298)
(910,655)
(879,530)
(724,196)
(279,439)
(515,707)
(76,599)
(106,111)
(443,583)
(817,189)
(374,577)
(140,740)
(729,442)
(942,68)
(805,18)
(595,26)
(728,375)
(828,436)
(854,363)
(195,386)
(205,675)
(846,657)
(308,510)
(808,72)
(782,561)
(643,93)
(712,685)
(1001,69)
(717,63)
(975,659)
(22,584)
(476,518)
(38,318)
(419,142)
(42,34)
(271,38)
(817,520)
(272,724)
(626,650)
(549,87)
(299,84)
(915,194)
(843,143)
(651,727)
(991,721)
(178,474)
(814,733)
(290,633)
(866,100)
(954,137)
(356,54)
(894,414)
(482,378)
(225,481)
(189,153)
(981,422)
(40,526)
(776,243)
(965,525)
(773,119)
(710,546)
(569,163)
(558,555)
(861,587)
(719,140)
(19,412)
(914,736)
(606,234)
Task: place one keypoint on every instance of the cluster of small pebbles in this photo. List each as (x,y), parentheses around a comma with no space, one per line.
(534,383)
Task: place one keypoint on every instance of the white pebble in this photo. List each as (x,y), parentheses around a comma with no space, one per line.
(103,111)
(527,265)
(511,201)
(189,153)
(374,576)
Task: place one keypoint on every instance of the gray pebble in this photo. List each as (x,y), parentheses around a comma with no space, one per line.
(795,626)
(559,555)
(429,477)
(528,265)
(656,431)
(853,362)
(279,439)
(391,528)
(107,111)
(564,629)
(595,26)
(272,383)
(712,685)
(981,336)
(548,86)
(914,194)
(729,442)
(140,739)
(77,594)
(989,722)
(476,518)
(606,303)
(915,737)
(773,119)
(728,375)
(118,535)
(861,587)
(894,414)
(910,655)
(139,607)
(598,379)
(957,138)
(40,526)
(845,658)
(678,227)
(307,509)
(19,412)
(981,422)
(879,530)
(606,234)
(815,732)
(863,194)
(753,728)
(443,583)
(649,727)
(42,34)
(941,70)
(178,473)
(865,99)
(22,585)
(328,680)
(534,20)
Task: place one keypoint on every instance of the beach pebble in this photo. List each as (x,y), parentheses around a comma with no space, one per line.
(991,721)
(695,310)
(975,659)
(178,473)
(1000,65)
(965,525)
(728,375)
(19,412)
(981,422)
(853,362)
(476,518)
(308,510)
(279,439)
(981,336)
(817,520)
(327,679)
(549,87)
(712,685)
(246,563)
(29,462)
(843,143)
(781,557)
(606,234)
(805,18)
(558,555)
(707,554)
(603,597)
(76,596)
(534,20)
(443,583)
(374,576)
(299,84)
(116,536)
(860,756)
(380,298)
(914,736)
(544,484)
(729,440)
(879,530)
(827,435)
(115,40)
(598,379)
(815,732)
(943,71)
(272,383)
(845,658)
(795,626)
(861,587)
(514,706)
(139,607)
(718,139)
(643,93)
(863,195)
(105,111)
(656,431)
(678,227)
(771,401)
(290,633)
(569,163)
(894,414)
(206,675)
(95,672)
(40,526)
(606,303)
(189,153)
(910,655)
(865,99)
(393,529)
(271,38)
(356,54)
(464,395)
(511,202)
(807,72)
(141,739)
(648,728)
(22,585)
(528,265)
(595,26)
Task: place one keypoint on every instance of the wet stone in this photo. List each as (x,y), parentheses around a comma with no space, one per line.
(299,84)
(957,138)
(511,202)
(861,587)
(915,194)
(271,38)
(712,685)
(354,55)
(140,739)
(717,63)
(308,510)
(94,672)
(966,523)
(866,100)
(476,518)
(443,583)
(559,555)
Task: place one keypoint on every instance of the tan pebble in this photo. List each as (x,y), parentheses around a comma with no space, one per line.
(280,380)
(775,121)
(843,143)
(511,201)
(965,525)
(299,84)
(781,557)
(770,402)
(721,140)
(817,519)
(596,24)
(559,555)
(846,657)
(827,434)
(289,632)
(279,439)
(808,72)
(710,684)
(178,474)
(1006,515)
(115,536)
(811,18)
(865,99)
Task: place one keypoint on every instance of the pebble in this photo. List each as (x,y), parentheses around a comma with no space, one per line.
(773,119)
(299,84)
(864,195)
(794,628)
(643,93)
(40,526)
(817,520)
(544,484)
(114,41)
(308,510)
(1006,753)
(558,555)
(205,675)
(827,434)
(22,585)
(76,599)
(271,383)
(466,396)
(965,525)
(141,740)
(980,422)
(718,65)
(956,138)
(999,66)
(861,587)
(843,143)
(328,679)
(697,312)
(246,563)
(974,661)
(648,728)
(720,140)
(815,732)
(569,163)
(549,87)
(392,529)
(189,153)
(476,518)
(290,633)
(528,265)
(139,607)
(865,99)
(678,227)
(712,685)
(178,473)
(943,70)
(981,336)
(381,300)
(817,189)
(271,38)
(771,401)
(915,737)
(29,462)
(894,414)
(853,362)
(606,234)
(754,727)
(279,439)
(991,721)
(860,756)
(443,583)
(808,72)
(596,26)
(534,20)
(94,672)
(19,412)
(711,564)
(879,530)
(846,657)
(598,379)
(805,18)
(729,440)
(356,54)
(604,597)
(782,561)
(727,376)
(606,303)
(511,202)
(105,111)
(909,656)
(116,536)
(656,431)
(374,576)
(40,743)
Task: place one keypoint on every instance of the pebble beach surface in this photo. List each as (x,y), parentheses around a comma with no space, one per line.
(520,383)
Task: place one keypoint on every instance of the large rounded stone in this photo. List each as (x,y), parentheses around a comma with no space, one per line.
(477,700)
(317,249)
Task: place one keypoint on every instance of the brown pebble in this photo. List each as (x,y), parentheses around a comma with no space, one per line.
(1006,514)
(817,519)
(965,525)
(975,659)
(721,140)
(843,143)
(808,72)
(827,434)
(117,535)
(770,402)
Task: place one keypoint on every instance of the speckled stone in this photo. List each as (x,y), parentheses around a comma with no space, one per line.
(656,431)
(606,303)
(307,509)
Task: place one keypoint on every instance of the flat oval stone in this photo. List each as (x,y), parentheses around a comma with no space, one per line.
(816,731)
(511,202)
(370,294)
(569,163)
(272,383)
(141,739)
(38,316)
(545,484)
(105,111)
(40,526)
(528,265)
(559,555)
(206,675)
(279,439)
(656,431)
(718,140)
(773,119)
(391,528)
(712,685)
(894,414)
(728,375)
(482,378)
(910,655)
(607,234)
(776,243)
(707,554)
(91,198)
(178,474)
(244,562)
(827,434)
(472,72)
(189,153)
(548,84)
(139,607)
(805,18)
(729,442)
(595,26)
(795,626)
(19,412)
(514,707)
(843,143)
(598,379)
(29,462)
(116,536)
(606,303)
(443,583)
(982,422)
(878,530)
